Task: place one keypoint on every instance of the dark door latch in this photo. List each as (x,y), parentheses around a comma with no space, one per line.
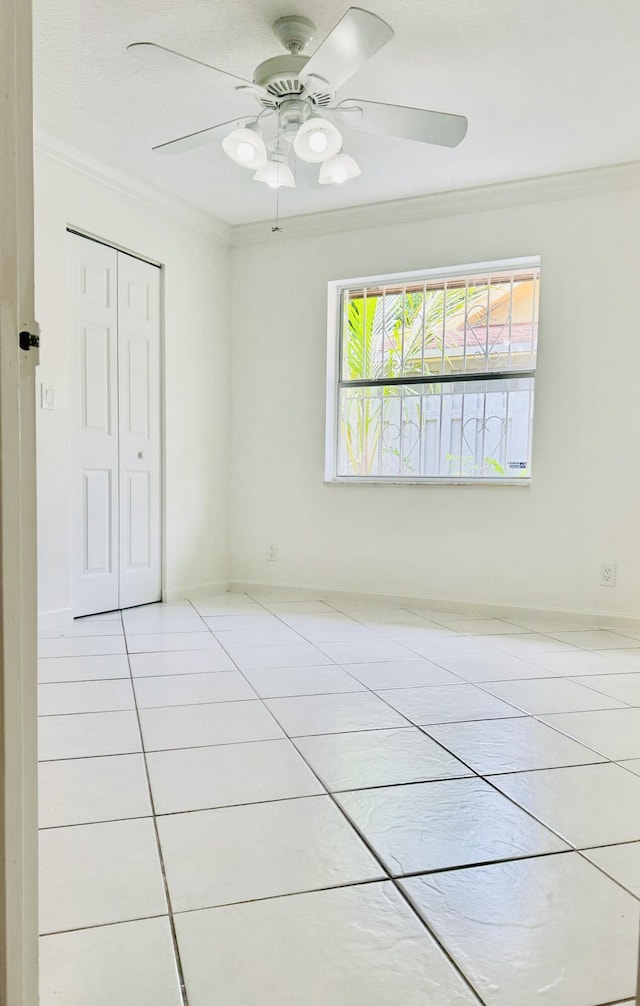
(28,341)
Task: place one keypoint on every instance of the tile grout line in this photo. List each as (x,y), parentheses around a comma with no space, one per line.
(379,861)
(409,723)
(167,894)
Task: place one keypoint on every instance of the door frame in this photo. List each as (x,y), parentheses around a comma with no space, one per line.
(18,579)
(82,232)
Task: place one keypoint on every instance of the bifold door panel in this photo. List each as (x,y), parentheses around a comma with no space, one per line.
(139,426)
(114,317)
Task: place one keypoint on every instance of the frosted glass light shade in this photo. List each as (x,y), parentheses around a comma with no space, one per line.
(246,147)
(276,174)
(338,169)
(317,139)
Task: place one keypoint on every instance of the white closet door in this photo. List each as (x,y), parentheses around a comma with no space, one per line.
(93,320)
(139,423)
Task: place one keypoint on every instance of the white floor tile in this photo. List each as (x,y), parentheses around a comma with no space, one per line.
(402,674)
(128,964)
(357,653)
(426,631)
(228,775)
(486,626)
(282,681)
(94,874)
(510,745)
(447,704)
(358,946)
(167,641)
(547,625)
(623,687)
(632,765)
(159,609)
(389,616)
(325,714)
(80,646)
(435,825)
(258,620)
(217,857)
(493,666)
(627,658)
(595,639)
(621,863)
(87,734)
(52,669)
(299,607)
(330,631)
(273,635)
(111,627)
(587,805)
(614,733)
(551,695)
(151,665)
(202,725)
(228,604)
(85,697)
(437,646)
(87,790)
(633,633)
(378,758)
(191,689)
(249,658)
(149,624)
(578,663)
(527,645)
(267,595)
(550,930)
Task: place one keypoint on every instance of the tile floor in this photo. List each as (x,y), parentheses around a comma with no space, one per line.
(283,801)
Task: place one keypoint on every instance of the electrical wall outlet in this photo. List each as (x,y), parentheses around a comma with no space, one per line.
(608,574)
(272,553)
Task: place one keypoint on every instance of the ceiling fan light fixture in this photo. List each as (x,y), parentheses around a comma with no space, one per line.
(276,174)
(338,169)
(317,140)
(246,147)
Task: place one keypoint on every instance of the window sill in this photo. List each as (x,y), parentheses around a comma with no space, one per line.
(445,482)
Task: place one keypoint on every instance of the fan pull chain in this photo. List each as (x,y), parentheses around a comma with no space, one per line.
(277,229)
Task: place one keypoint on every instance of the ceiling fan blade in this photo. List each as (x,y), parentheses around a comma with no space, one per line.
(160,56)
(199,139)
(355,39)
(408,123)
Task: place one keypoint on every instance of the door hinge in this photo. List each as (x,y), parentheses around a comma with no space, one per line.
(29,340)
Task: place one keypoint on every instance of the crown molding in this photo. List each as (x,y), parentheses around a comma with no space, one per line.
(119,180)
(501,195)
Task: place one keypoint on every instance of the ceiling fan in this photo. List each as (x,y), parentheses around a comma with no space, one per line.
(300,115)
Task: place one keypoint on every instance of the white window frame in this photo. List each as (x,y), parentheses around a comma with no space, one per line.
(334,321)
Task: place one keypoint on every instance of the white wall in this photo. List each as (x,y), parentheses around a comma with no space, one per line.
(196,373)
(536,546)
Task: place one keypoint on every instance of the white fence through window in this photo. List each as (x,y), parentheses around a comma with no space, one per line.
(437,377)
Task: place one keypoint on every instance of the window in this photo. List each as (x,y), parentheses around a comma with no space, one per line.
(431,375)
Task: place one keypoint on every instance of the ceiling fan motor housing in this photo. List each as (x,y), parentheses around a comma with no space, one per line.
(280,77)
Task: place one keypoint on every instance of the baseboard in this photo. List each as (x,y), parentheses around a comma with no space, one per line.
(52,619)
(481,608)
(199,590)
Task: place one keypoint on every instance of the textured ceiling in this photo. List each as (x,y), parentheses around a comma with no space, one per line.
(547,86)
